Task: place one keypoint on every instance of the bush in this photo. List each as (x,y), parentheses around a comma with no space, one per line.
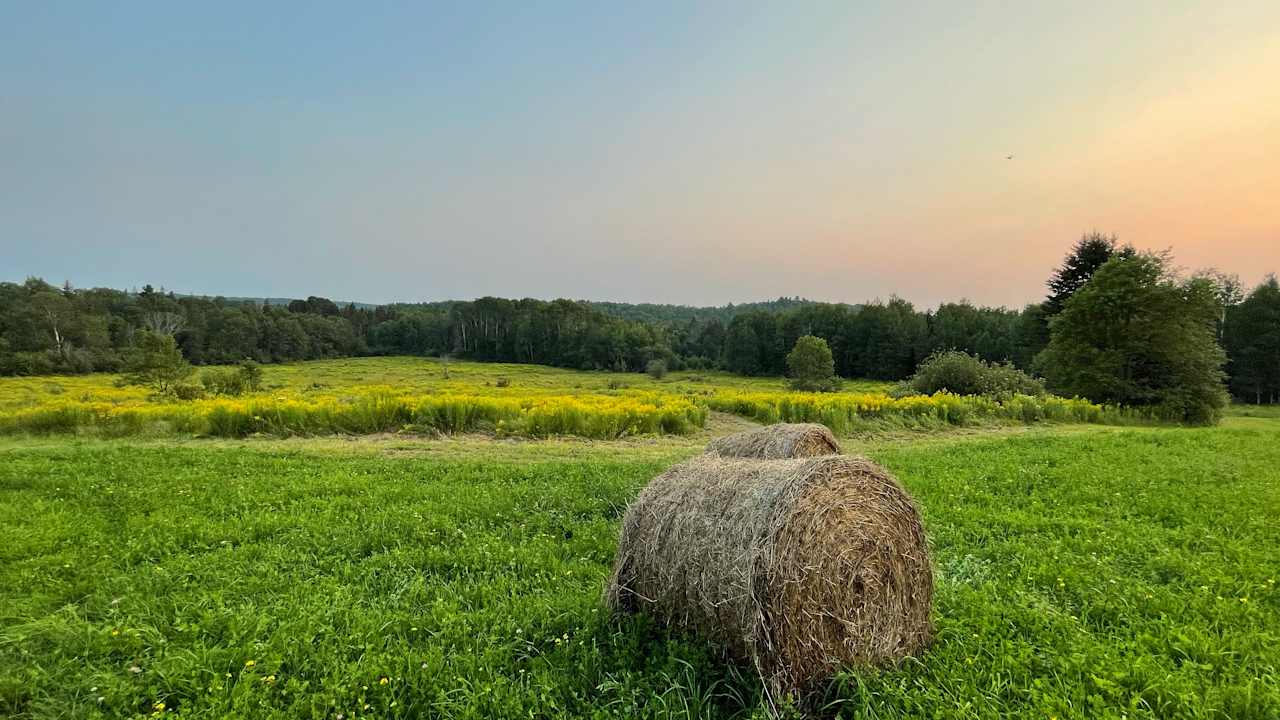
(222,381)
(251,375)
(963,374)
(811,366)
(502,382)
(27,363)
(232,381)
(657,369)
(188,391)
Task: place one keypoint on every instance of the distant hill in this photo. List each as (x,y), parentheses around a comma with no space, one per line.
(650,312)
(277,301)
(653,312)
(638,312)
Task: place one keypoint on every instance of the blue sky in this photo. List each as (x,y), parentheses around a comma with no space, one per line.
(681,152)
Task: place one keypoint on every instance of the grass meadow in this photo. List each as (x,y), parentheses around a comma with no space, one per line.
(415,395)
(1083,570)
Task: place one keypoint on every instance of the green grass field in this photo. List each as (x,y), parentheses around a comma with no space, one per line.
(1083,571)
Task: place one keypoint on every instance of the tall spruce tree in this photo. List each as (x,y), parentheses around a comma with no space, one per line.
(1086,256)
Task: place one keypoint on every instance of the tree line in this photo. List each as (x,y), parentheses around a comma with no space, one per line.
(46,329)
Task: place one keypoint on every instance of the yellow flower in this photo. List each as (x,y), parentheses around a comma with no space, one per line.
(249,663)
(383,681)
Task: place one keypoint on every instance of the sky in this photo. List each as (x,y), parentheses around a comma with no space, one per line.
(698,153)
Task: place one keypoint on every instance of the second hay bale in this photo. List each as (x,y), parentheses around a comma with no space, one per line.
(776,442)
(798,566)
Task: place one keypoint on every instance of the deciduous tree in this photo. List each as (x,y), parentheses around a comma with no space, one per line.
(1136,335)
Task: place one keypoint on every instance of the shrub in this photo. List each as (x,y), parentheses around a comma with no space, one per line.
(657,369)
(811,366)
(188,391)
(251,375)
(27,363)
(963,374)
(222,381)
(502,382)
(233,381)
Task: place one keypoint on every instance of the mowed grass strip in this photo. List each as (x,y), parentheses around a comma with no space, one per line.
(1107,573)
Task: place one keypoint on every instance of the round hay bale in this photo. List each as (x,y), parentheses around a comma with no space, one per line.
(797,566)
(777,442)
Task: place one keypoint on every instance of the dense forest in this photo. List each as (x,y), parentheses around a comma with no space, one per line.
(46,329)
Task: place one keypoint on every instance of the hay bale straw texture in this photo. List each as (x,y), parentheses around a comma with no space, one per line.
(797,566)
(777,442)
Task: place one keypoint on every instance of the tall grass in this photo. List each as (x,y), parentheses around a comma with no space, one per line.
(375,395)
(587,416)
(849,412)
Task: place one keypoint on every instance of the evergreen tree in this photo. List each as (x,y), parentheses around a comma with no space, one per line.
(742,348)
(1086,256)
(1254,344)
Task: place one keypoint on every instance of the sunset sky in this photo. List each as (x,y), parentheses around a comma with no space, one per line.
(667,152)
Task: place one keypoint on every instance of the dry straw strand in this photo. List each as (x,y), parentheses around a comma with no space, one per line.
(797,566)
(776,442)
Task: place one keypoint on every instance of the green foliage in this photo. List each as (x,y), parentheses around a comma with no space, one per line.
(964,374)
(1252,334)
(656,369)
(156,362)
(188,391)
(662,313)
(44,329)
(251,375)
(751,344)
(222,381)
(1133,335)
(247,377)
(1077,576)
(811,367)
(1086,256)
(847,414)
